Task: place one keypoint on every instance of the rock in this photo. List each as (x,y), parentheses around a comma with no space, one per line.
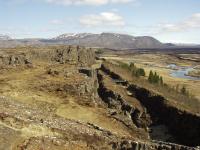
(13,60)
(62,54)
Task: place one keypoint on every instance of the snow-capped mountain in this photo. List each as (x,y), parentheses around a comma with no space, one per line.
(4,37)
(109,40)
(71,35)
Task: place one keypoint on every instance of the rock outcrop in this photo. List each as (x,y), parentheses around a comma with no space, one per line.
(14,60)
(132,115)
(155,145)
(182,124)
(65,55)
(62,54)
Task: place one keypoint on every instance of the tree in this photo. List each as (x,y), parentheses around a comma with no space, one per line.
(133,68)
(156,78)
(161,80)
(150,79)
(132,65)
(141,72)
(99,51)
(183,90)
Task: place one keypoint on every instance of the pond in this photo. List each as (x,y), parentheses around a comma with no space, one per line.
(181,72)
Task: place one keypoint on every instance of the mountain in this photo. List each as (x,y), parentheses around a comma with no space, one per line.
(109,40)
(113,41)
(187,45)
(72,36)
(4,37)
(8,42)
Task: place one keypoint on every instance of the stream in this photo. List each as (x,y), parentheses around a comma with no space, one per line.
(181,72)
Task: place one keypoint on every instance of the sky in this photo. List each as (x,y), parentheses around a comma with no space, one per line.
(176,21)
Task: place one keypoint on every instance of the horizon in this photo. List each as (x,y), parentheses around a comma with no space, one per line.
(98,33)
(169,22)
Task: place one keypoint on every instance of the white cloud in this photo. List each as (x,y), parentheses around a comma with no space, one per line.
(56,22)
(87,2)
(190,23)
(102,19)
(77,2)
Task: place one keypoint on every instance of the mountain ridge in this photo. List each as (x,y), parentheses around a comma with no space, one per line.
(114,41)
(110,40)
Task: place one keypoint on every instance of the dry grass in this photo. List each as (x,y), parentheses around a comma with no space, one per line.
(34,85)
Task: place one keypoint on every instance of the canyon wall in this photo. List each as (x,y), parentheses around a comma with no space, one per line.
(184,125)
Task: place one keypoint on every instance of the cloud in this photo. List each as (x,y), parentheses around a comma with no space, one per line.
(56,22)
(102,19)
(193,22)
(87,2)
(75,2)
(15,32)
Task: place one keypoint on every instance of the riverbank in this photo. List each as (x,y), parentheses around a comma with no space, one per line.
(194,73)
(185,73)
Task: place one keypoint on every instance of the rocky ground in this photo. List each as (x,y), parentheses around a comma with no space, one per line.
(55,98)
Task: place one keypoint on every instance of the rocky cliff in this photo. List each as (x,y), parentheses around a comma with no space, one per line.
(63,54)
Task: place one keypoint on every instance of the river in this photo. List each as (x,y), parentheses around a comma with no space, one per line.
(181,72)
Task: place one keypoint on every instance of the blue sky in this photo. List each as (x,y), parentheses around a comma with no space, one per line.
(167,20)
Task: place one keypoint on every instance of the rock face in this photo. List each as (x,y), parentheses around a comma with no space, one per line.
(91,85)
(182,124)
(132,115)
(64,55)
(88,87)
(14,60)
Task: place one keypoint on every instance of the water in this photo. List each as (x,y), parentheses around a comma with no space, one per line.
(181,72)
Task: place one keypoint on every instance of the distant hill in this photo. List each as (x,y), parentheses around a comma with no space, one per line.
(104,40)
